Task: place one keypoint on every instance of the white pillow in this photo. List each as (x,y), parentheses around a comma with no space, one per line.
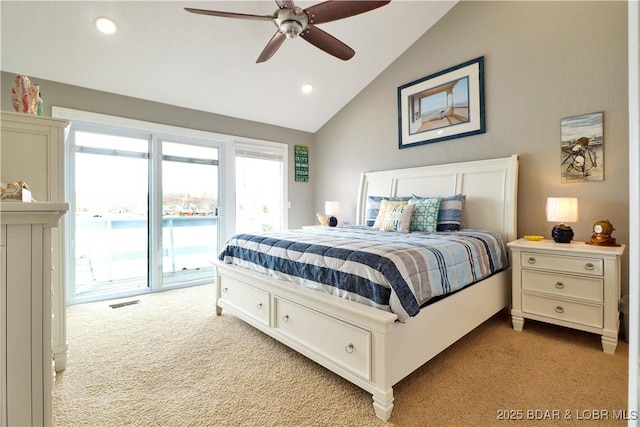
(398,218)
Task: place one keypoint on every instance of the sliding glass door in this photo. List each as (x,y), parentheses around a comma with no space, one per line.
(151,204)
(189,212)
(111,206)
(133,193)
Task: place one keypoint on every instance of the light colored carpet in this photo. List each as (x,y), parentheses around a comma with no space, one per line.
(170,361)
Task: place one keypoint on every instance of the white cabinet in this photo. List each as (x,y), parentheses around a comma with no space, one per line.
(568,284)
(32,150)
(26,368)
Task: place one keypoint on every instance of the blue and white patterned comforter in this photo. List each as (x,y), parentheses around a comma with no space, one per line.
(397,272)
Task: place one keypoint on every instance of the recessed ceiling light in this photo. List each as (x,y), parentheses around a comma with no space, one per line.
(106,25)
(307,88)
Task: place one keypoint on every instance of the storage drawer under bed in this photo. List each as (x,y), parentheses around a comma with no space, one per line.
(346,345)
(250,300)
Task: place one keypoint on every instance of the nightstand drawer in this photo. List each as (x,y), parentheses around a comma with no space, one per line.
(583,314)
(565,264)
(586,288)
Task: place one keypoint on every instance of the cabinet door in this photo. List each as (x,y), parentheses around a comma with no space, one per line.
(32,152)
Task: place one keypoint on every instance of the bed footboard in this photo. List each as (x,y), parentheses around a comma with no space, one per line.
(364,345)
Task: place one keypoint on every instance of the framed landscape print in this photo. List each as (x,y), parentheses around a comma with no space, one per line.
(582,148)
(445,105)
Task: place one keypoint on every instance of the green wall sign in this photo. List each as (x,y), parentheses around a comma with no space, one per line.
(301,154)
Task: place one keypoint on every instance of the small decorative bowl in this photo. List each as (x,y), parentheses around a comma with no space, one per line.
(533,237)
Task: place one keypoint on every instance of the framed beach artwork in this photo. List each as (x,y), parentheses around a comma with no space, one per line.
(445,105)
(582,148)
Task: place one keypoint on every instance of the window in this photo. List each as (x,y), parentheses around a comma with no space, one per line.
(151,204)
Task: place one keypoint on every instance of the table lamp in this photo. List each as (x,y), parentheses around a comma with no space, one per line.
(562,210)
(331,209)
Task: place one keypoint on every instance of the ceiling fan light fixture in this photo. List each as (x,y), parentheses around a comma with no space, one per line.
(291,29)
(105,25)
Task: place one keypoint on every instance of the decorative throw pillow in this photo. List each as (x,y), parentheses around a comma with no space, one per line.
(385,207)
(425,214)
(451,210)
(398,218)
(372,207)
(450,213)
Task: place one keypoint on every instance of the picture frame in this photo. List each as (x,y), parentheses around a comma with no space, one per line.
(442,106)
(582,148)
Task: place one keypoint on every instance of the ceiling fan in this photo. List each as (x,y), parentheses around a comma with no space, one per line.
(293,21)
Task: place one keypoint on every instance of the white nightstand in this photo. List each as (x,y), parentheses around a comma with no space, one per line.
(569,284)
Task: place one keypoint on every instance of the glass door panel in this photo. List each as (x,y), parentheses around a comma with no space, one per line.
(111,214)
(189,212)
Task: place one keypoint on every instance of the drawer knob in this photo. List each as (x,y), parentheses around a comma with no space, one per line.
(225,290)
(531,260)
(559,285)
(559,309)
(589,266)
(285,318)
(259,306)
(349,348)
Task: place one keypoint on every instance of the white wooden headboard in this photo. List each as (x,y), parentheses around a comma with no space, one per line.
(491,187)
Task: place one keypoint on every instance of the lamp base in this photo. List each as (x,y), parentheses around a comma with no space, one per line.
(333,221)
(562,233)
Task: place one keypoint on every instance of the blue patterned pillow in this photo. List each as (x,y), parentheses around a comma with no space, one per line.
(372,207)
(425,214)
(450,215)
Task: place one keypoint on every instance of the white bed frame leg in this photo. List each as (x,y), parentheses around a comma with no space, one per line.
(383,404)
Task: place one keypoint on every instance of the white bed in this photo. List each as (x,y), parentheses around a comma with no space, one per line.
(365,345)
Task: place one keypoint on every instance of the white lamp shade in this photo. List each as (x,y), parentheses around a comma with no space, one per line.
(562,209)
(332,208)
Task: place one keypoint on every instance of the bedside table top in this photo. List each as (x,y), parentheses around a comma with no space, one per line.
(574,246)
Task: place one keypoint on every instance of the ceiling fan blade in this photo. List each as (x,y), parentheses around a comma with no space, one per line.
(271,47)
(333,10)
(328,43)
(230,14)
(286,4)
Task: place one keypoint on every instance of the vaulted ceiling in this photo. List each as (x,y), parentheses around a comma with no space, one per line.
(162,53)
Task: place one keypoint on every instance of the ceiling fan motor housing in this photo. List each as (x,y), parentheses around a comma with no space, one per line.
(291,22)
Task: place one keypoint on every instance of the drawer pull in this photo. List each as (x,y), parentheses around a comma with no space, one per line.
(285,318)
(349,348)
(259,306)
(225,290)
(559,285)
(559,309)
(589,266)
(531,260)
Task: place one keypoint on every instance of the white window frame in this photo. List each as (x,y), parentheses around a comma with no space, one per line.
(226,180)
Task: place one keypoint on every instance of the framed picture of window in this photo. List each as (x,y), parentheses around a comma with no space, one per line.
(445,105)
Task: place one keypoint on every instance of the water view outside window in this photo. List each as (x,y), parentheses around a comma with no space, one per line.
(146,209)
(111,221)
(189,211)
